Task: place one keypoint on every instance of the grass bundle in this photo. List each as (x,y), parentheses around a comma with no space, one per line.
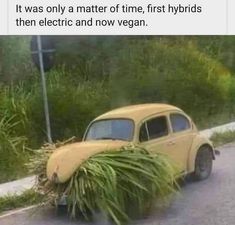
(116,183)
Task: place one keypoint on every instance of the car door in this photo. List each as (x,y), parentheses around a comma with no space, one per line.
(155,136)
(158,135)
(182,135)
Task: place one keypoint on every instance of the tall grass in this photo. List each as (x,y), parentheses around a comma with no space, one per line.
(12,151)
(170,73)
(27,198)
(72,107)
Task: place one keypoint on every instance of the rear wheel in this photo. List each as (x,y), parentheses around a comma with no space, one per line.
(203,163)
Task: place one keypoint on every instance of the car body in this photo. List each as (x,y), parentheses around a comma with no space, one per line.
(159,128)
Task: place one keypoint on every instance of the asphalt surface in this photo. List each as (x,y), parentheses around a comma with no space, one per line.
(210,202)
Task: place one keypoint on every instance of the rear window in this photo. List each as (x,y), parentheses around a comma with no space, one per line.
(179,122)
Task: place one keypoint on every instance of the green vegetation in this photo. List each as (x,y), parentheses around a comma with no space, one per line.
(114,182)
(27,198)
(22,126)
(12,151)
(219,139)
(154,74)
(95,74)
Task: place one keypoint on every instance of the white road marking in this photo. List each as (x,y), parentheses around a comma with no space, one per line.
(18,211)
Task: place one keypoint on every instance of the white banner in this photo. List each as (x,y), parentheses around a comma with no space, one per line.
(117,17)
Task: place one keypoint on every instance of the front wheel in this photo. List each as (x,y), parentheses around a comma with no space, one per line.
(203,163)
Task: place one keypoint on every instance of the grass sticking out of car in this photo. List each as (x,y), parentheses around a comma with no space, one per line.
(117,182)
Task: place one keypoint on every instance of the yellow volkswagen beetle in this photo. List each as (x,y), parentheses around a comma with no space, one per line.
(159,128)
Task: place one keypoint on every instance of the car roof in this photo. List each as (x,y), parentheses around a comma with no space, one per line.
(138,112)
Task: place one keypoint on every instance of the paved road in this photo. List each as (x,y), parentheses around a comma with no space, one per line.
(211,202)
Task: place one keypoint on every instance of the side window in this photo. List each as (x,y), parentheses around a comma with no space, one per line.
(154,128)
(179,122)
(157,127)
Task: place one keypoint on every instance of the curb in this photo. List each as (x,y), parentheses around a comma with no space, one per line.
(17,187)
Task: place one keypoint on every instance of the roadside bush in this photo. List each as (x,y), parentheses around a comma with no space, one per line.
(27,198)
(15,59)
(15,104)
(72,106)
(12,151)
(219,139)
(149,71)
(91,59)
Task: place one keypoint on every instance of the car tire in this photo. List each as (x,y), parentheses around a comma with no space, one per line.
(203,163)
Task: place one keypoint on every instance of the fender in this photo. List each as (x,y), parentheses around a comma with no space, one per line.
(198,141)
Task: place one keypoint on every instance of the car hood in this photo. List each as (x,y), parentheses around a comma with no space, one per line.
(66,159)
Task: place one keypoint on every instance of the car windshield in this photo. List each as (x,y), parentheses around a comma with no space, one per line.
(114,129)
